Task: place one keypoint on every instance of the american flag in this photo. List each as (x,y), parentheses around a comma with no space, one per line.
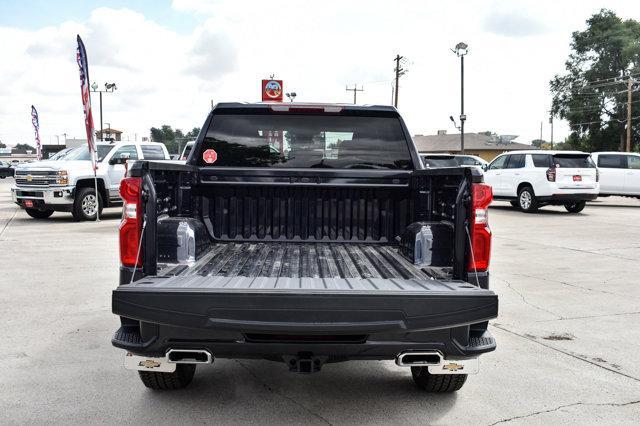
(81,56)
(36,129)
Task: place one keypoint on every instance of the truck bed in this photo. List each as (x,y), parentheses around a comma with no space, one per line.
(326,265)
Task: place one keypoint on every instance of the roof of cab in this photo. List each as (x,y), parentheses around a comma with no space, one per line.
(311,105)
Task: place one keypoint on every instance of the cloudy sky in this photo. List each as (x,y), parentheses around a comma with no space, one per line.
(170,59)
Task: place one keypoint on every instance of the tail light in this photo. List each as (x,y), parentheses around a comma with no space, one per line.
(480,232)
(131,225)
(551,174)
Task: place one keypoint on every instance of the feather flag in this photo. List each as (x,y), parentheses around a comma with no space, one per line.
(81,56)
(36,129)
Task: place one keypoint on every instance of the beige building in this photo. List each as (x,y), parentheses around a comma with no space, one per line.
(485,146)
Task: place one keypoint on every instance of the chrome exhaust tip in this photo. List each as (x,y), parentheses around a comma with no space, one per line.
(189,356)
(418,358)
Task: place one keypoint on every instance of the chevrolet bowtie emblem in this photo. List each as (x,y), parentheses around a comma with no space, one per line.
(452,366)
(29,178)
(149,364)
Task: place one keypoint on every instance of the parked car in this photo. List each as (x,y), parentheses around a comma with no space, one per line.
(439,160)
(533,179)
(6,169)
(619,173)
(68,185)
(313,255)
(470,160)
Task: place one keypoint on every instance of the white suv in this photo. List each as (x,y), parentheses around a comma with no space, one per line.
(619,173)
(532,179)
(68,185)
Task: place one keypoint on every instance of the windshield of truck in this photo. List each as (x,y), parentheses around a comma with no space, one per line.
(82,153)
(574,161)
(304,141)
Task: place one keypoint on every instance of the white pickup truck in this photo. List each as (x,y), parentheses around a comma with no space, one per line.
(67,184)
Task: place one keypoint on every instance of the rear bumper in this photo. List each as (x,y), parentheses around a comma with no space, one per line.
(562,198)
(336,325)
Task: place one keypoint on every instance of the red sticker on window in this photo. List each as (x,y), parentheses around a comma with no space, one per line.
(209,156)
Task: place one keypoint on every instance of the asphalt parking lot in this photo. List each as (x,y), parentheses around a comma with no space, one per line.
(568,336)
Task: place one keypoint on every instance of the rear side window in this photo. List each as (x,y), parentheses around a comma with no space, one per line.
(572,161)
(541,160)
(633,162)
(439,162)
(516,161)
(304,141)
(467,161)
(611,161)
(125,150)
(152,152)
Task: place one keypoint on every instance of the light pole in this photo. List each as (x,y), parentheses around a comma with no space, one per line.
(108,88)
(461,50)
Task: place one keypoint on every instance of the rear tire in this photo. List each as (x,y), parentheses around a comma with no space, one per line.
(83,204)
(575,207)
(169,381)
(437,383)
(39,214)
(527,200)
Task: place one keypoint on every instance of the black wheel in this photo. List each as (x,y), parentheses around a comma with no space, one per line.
(169,381)
(84,205)
(514,204)
(39,214)
(438,383)
(575,207)
(527,200)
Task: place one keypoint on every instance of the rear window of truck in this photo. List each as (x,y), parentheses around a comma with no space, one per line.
(304,141)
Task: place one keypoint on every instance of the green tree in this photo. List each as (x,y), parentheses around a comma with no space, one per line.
(592,94)
(25,146)
(2,145)
(174,139)
(193,133)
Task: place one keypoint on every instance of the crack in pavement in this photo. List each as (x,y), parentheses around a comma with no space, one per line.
(510,286)
(570,285)
(570,248)
(572,355)
(560,407)
(280,394)
(6,225)
(591,316)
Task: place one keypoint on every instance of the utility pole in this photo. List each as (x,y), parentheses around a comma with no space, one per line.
(355,90)
(629,87)
(461,50)
(399,72)
(551,123)
(108,88)
(541,131)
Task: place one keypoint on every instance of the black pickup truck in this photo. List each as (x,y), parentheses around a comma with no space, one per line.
(304,234)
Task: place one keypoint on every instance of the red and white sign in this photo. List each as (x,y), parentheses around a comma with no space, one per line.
(272,90)
(210,156)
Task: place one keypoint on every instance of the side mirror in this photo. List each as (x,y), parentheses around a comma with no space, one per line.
(485,167)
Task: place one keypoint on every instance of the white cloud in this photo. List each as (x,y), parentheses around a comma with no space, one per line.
(170,77)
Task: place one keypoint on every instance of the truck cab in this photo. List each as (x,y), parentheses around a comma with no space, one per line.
(67,184)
